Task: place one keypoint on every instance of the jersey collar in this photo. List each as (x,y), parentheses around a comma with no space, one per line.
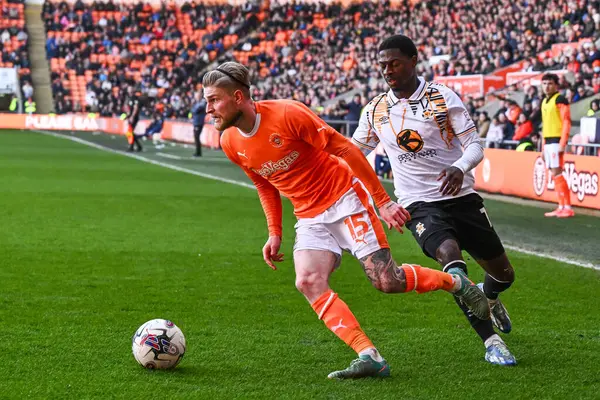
(416,96)
(256,125)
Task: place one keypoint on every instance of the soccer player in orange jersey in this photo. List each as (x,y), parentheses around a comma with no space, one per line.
(286,149)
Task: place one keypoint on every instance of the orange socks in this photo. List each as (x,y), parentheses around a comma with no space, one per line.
(339,319)
(562,190)
(423,280)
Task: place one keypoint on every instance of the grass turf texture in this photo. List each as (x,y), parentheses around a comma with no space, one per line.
(94,244)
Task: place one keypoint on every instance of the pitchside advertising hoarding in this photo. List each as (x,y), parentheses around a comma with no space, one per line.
(172,130)
(508,172)
(524,174)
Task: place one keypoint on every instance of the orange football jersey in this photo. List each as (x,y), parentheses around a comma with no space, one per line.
(289,151)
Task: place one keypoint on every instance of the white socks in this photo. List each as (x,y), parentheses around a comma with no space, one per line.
(373,353)
(492,339)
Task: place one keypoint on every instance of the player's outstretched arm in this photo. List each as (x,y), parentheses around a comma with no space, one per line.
(392,213)
(313,130)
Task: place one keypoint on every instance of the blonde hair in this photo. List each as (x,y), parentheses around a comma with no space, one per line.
(230,75)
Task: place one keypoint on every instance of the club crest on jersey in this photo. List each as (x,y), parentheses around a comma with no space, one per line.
(420,228)
(410,141)
(275,140)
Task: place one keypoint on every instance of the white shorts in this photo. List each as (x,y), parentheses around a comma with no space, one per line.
(350,224)
(552,155)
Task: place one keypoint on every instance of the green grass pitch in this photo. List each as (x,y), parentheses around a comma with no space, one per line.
(93,244)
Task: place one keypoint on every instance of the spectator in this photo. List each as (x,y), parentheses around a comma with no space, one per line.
(27,90)
(508,129)
(529,143)
(353,113)
(495,134)
(524,128)
(483,124)
(513,111)
(594,107)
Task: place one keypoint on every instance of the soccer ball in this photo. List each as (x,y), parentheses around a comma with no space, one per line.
(158,344)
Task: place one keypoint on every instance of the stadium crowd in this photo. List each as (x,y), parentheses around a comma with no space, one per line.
(14,40)
(312,52)
(98,50)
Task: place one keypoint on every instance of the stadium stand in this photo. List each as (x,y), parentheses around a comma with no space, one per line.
(313,52)
(96,50)
(14,39)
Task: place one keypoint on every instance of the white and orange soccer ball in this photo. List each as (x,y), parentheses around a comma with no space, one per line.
(158,344)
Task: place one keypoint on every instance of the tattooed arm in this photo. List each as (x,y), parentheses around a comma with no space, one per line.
(382,271)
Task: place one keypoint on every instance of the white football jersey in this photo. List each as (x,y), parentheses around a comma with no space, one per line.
(422,136)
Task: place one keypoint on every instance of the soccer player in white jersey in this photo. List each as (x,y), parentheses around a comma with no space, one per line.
(433,145)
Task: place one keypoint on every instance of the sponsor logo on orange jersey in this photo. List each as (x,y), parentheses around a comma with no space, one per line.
(284,164)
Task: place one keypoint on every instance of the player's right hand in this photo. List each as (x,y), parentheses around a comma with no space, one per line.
(394,215)
(271,251)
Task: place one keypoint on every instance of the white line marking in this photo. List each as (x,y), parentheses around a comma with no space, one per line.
(140,158)
(552,257)
(171,156)
(249,186)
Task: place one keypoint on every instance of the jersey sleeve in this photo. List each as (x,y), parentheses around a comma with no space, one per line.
(560,99)
(268,195)
(365,136)
(564,110)
(305,125)
(461,121)
(465,131)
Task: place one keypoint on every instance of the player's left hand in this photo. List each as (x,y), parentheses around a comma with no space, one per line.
(453,182)
(271,251)
(561,149)
(394,215)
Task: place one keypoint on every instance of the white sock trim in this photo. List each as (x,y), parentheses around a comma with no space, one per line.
(445,269)
(497,280)
(415,275)
(327,304)
(373,353)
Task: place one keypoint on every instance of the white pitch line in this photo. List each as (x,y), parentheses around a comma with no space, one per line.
(552,257)
(249,186)
(171,156)
(140,158)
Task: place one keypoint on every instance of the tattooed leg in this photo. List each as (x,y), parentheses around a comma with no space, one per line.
(383,272)
(389,277)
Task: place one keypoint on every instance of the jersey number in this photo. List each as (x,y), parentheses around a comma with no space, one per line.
(357,227)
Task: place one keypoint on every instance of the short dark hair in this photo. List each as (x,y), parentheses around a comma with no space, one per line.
(550,77)
(400,42)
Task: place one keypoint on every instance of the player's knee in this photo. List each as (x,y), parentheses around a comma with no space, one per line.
(508,274)
(448,251)
(310,283)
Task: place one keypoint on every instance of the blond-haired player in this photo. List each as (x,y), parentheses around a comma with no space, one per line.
(286,149)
